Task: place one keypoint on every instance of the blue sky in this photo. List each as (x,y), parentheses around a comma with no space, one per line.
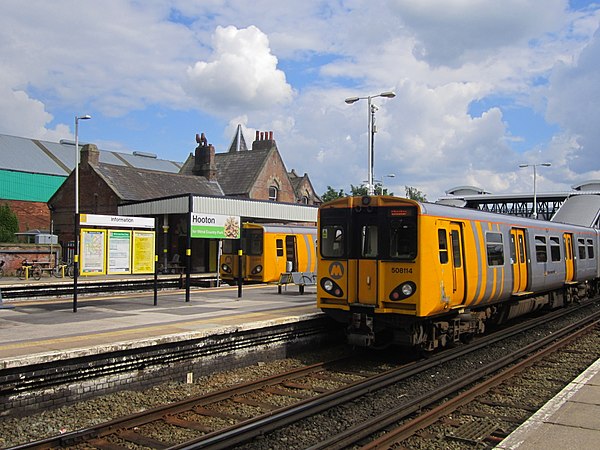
(481,85)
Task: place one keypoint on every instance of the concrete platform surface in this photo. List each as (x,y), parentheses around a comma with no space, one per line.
(570,421)
(34,331)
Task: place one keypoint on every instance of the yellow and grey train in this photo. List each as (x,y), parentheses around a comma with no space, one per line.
(401,272)
(268,251)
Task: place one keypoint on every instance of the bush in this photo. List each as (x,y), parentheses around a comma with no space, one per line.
(9,224)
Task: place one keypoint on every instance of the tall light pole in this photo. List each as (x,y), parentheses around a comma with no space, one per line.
(77,119)
(389,175)
(371,136)
(76,217)
(534,214)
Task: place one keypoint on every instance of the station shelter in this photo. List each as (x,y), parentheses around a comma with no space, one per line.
(195,226)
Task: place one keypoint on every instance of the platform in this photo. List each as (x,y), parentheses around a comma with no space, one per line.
(37,330)
(570,421)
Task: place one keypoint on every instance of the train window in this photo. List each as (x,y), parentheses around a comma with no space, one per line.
(495,249)
(252,244)
(581,248)
(590,246)
(369,241)
(555,249)
(403,238)
(228,246)
(279,245)
(513,250)
(541,252)
(332,243)
(521,249)
(443,246)
(456,259)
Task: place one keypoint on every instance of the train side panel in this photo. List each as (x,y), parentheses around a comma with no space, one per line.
(464,268)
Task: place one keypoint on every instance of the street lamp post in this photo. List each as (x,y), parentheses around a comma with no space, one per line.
(76,216)
(371,136)
(389,175)
(534,214)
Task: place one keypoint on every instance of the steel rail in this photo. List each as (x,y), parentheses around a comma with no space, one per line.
(260,425)
(406,430)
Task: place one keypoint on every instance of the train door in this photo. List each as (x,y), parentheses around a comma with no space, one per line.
(518,253)
(569,266)
(450,241)
(367,264)
(291,255)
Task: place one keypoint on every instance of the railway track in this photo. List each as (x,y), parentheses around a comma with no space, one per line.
(236,416)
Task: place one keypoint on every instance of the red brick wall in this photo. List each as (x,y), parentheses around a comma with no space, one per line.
(31,215)
(95,197)
(274,172)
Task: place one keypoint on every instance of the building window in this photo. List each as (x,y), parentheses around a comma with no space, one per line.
(273,193)
(304,200)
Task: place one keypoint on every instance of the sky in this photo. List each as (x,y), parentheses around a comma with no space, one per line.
(481,86)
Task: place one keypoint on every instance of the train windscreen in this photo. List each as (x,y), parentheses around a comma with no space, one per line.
(369,233)
(252,242)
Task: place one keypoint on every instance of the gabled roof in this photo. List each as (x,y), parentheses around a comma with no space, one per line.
(236,171)
(58,158)
(132,184)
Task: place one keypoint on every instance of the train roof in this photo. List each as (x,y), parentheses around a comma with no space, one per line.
(459,213)
(279,228)
(435,209)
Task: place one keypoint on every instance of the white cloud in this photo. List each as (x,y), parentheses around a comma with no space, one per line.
(287,67)
(242,74)
(455,32)
(21,115)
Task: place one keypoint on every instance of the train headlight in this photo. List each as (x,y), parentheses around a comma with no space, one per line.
(331,287)
(258,269)
(225,268)
(406,289)
(403,291)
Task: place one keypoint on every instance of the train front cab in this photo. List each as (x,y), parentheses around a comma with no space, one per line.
(368,262)
(268,251)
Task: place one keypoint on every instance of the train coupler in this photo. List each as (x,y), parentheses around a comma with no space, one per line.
(360,330)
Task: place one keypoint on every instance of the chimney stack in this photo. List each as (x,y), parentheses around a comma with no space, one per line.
(204,159)
(264,140)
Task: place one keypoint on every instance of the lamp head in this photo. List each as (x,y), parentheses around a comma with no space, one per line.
(546,164)
(523,165)
(351,100)
(389,94)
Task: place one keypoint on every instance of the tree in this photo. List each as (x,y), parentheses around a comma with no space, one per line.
(332,194)
(9,224)
(414,194)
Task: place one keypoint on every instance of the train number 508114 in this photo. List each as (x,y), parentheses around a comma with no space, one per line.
(401,270)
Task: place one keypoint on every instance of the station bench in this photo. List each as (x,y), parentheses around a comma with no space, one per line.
(301,279)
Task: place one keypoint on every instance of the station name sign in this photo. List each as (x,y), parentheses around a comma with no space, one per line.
(98,220)
(215,226)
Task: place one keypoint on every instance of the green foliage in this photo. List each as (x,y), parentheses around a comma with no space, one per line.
(9,224)
(414,194)
(355,191)
(332,194)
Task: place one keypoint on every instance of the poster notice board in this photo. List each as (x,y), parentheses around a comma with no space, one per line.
(93,252)
(143,251)
(119,251)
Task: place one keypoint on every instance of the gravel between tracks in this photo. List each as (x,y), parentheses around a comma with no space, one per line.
(14,431)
